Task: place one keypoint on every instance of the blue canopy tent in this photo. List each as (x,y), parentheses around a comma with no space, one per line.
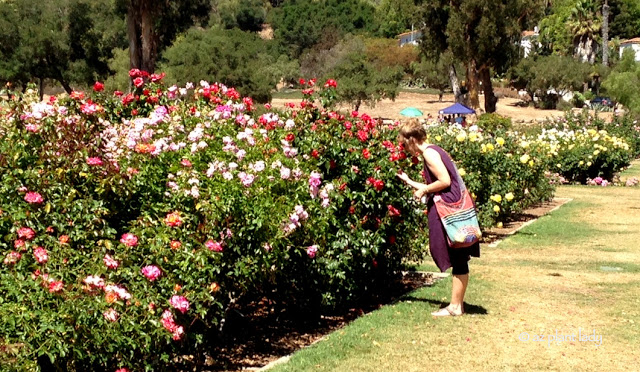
(457,109)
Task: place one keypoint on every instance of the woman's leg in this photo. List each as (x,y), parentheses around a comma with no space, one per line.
(460,271)
(458,288)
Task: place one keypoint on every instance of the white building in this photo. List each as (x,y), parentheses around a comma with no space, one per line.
(633,44)
(412,38)
(527,40)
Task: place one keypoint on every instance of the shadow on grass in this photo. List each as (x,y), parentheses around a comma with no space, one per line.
(468,308)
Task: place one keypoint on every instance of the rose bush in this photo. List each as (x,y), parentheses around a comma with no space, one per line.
(133,223)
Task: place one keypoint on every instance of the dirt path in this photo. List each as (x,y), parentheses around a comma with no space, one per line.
(429,104)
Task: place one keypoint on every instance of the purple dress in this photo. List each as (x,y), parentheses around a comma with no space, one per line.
(438,244)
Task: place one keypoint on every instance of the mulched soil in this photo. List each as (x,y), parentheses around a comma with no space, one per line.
(261,332)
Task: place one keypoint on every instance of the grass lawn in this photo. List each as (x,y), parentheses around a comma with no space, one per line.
(632,171)
(292,94)
(574,272)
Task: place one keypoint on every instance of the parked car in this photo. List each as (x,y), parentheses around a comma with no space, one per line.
(602,101)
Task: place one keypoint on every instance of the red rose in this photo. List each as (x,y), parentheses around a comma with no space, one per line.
(290,137)
(302,82)
(332,164)
(138,82)
(331,84)
(118,93)
(366,154)
(134,112)
(98,86)
(362,135)
(393,211)
(157,77)
(315,153)
(134,73)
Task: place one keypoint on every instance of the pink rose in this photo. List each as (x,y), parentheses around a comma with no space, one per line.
(180,303)
(312,250)
(213,246)
(33,198)
(12,258)
(41,255)
(56,286)
(152,272)
(94,161)
(129,240)
(26,233)
(110,262)
(111,315)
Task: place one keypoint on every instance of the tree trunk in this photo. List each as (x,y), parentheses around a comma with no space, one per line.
(143,39)
(133,32)
(472,84)
(605,33)
(41,89)
(455,84)
(490,99)
(149,38)
(585,49)
(357,105)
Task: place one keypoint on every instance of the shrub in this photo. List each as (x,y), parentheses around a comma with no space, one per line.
(131,225)
(493,122)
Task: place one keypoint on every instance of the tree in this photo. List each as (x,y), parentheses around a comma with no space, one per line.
(484,35)
(232,57)
(153,25)
(605,33)
(395,17)
(361,81)
(434,73)
(623,81)
(62,40)
(585,24)
(247,15)
(553,76)
(298,25)
(521,75)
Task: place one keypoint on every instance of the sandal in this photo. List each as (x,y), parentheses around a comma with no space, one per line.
(446,311)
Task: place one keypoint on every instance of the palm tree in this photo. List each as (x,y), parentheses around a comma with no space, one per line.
(584,24)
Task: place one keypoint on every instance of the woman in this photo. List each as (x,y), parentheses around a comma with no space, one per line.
(441,178)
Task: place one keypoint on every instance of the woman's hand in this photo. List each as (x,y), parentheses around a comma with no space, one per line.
(403,176)
(419,193)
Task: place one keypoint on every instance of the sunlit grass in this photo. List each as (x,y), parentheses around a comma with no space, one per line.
(572,271)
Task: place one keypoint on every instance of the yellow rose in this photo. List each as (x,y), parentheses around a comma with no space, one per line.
(589,164)
(524,158)
(500,141)
(509,196)
(462,172)
(461,137)
(531,163)
(490,146)
(499,225)
(581,163)
(438,138)
(496,208)
(473,137)
(496,198)
(596,152)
